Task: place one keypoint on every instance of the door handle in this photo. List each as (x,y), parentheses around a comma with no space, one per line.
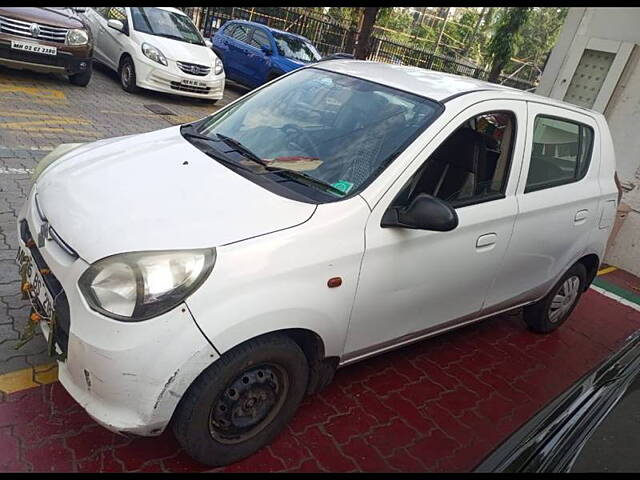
(581,216)
(486,241)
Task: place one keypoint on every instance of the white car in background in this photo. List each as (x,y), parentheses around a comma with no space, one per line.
(158,48)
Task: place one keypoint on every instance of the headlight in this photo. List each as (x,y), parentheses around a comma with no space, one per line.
(218,67)
(52,156)
(77,36)
(153,53)
(136,286)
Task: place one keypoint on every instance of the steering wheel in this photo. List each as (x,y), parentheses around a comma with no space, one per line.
(294,130)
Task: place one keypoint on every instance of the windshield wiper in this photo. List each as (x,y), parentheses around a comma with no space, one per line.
(239,147)
(308,179)
(188,130)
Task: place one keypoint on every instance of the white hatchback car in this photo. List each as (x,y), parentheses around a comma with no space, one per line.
(213,273)
(158,48)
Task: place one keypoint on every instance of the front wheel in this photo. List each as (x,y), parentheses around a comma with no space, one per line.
(128,76)
(549,313)
(81,79)
(242,401)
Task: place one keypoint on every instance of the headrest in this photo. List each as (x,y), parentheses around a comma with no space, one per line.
(464,149)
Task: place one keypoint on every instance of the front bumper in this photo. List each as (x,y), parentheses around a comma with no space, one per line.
(128,376)
(168,79)
(63,62)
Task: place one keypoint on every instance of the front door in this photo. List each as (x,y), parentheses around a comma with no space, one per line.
(414,282)
(257,61)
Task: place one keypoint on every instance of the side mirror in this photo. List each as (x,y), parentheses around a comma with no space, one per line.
(425,212)
(208,43)
(266,50)
(116,25)
(79,9)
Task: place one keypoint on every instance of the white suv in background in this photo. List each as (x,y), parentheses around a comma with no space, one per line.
(211,274)
(158,48)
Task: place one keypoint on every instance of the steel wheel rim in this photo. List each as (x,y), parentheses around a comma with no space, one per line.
(564,299)
(248,404)
(126,75)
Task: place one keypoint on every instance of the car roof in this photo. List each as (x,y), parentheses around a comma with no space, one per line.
(435,85)
(271,29)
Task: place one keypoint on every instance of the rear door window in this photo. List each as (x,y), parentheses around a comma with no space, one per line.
(560,154)
(242,33)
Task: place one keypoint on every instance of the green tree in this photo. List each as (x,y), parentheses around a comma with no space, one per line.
(365,29)
(539,35)
(506,39)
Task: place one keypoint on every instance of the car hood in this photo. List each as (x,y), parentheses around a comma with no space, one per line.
(155,191)
(55,16)
(180,51)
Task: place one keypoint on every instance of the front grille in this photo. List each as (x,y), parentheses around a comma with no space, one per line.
(60,303)
(189,88)
(36,31)
(194,69)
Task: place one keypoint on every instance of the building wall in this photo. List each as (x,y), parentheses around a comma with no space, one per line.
(621,108)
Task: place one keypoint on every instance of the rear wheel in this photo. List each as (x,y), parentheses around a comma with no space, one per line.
(242,401)
(549,313)
(128,76)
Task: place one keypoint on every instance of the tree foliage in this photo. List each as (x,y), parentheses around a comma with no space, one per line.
(506,38)
(488,37)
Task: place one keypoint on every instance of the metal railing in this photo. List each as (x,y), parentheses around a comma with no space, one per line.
(330,36)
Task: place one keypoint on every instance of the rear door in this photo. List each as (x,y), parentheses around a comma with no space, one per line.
(238,49)
(558,195)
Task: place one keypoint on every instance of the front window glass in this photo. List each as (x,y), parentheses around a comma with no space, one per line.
(163,23)
(295,48)
(338,130)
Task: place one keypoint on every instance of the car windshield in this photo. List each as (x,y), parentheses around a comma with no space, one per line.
(338,131)
(156,21)
(295,48)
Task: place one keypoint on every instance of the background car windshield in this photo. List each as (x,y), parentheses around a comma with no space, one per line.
(295,48)
(156,21)
(335,128)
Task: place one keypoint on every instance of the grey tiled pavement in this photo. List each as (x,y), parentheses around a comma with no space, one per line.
(37,113)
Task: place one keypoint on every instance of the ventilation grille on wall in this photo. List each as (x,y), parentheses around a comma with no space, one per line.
(589,77)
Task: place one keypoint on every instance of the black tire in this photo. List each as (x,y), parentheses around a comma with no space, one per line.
(81,79)
(229,384)
(539,317)
(127,74)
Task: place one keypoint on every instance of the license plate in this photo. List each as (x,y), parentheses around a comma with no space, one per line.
(39,293)
(194,83)
(33,47)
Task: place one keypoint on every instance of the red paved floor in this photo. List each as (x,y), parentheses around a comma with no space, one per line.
(440,405)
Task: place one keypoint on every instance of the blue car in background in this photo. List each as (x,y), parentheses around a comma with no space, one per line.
(253,54)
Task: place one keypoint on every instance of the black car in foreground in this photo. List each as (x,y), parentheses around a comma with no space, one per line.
(592,427)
